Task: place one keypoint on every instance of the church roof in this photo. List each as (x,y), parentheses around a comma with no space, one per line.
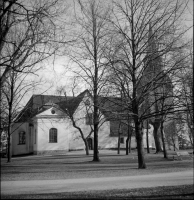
(111,107)
(70,105)
(36,102)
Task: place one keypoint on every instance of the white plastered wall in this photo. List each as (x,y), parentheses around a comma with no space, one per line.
(44,122)
(104,138)
(75,140)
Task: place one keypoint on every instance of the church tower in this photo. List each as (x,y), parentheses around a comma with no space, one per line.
(158,84)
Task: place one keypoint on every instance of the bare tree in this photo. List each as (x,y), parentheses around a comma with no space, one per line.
(15,88)
(29,34)
(72,108)
(186,101)
(166,105)
(147,136)
(145,32)
(88,50)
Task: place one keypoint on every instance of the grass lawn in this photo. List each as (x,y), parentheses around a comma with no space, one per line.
(78,165)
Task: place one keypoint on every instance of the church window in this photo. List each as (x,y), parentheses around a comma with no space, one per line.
(22,137)
(53,135)
(89,119)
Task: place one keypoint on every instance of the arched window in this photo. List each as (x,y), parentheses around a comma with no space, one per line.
(53,135)
(89,119)
(22,137)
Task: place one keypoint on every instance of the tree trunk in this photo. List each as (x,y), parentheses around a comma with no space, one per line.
(96,155)
(140,147)
(173,142)
(156,138)
(163,140)
(127,146)
(130,144)
(86,146)
(82,135)
(182,143)
(128,140)
(191,134)
(147,138)
(9,153)
(95,85)
(119,138)
(174,146)
(9,145)
(191,141)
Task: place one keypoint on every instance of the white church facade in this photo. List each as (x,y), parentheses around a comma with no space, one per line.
(44,127)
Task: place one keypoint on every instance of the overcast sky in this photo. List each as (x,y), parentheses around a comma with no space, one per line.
(56,74)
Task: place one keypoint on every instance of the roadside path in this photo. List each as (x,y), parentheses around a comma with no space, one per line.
(87,184)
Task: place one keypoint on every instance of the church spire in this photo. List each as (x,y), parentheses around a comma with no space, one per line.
(152,49)
(153,60)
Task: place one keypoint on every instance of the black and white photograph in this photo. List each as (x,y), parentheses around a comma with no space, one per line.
(96,99)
